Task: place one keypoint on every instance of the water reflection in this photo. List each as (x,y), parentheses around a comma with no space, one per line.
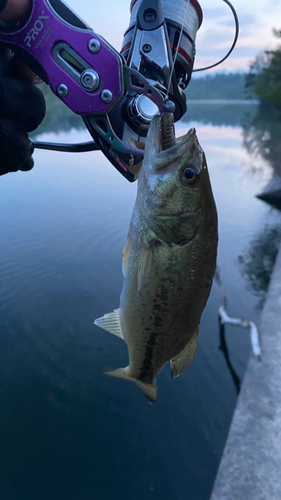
(224,349)
(219,114)
(262,134)
(224,113)
(61,420)
(59,118)
(257,264)
(261,137)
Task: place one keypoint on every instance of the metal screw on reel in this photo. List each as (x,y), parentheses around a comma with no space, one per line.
(90,80)
(146,48)
(106,96)
(150,15)
(94,46)
(62,90)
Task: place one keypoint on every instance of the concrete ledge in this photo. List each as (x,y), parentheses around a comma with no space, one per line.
(250,468)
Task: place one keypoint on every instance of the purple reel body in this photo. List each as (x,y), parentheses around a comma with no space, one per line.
(85,72)
(67,55)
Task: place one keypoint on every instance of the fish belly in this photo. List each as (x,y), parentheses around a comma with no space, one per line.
(161,316)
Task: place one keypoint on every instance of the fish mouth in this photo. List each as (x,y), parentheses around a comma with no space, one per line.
(161,143)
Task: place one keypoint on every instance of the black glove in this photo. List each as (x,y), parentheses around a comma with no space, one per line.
(22,108)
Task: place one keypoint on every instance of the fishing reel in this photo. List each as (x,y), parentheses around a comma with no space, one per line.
(160,47)
(160,44)
(117,95)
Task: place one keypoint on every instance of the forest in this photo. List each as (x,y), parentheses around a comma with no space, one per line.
(217,86)
(262,83)
(263,131)
(264,80)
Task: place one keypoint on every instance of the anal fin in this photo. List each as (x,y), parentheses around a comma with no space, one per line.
(181,362)
(111,323)
(149,390)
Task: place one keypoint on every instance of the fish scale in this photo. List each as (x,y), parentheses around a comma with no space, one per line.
(169,259)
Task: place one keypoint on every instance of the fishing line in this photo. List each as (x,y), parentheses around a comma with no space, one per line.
(234,41)
(236,35)
(175,58)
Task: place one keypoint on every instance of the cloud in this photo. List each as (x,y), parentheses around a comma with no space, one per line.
(256,35)
(225,17)
(233,64)
(257,19)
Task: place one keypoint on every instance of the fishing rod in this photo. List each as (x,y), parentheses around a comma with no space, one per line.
(116,94)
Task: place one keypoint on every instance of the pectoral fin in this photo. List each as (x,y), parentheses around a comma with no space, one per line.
(149,390)
(182,361)
(125,255)
(144,265)
(111,323)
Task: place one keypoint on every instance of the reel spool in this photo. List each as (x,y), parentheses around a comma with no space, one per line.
(181,36)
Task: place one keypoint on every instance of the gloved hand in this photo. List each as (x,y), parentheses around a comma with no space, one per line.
(22,104)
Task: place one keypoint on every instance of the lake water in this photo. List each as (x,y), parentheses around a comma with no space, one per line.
(66,431)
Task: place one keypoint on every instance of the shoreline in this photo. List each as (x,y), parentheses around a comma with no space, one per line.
(231,102)
(251,461)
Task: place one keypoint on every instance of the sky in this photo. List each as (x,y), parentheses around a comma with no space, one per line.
(110,18)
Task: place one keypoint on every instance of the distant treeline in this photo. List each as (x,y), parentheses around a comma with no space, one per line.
(60,117)
(218,86)
(264,80)
(219,114)
(262,133)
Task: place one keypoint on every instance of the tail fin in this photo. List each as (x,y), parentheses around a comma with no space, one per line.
(149,390)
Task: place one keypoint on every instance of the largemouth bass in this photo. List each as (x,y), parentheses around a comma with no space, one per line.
(169,258)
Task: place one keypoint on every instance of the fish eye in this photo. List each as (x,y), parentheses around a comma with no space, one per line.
(189,175)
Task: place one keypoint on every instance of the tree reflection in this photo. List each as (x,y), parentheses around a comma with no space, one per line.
(257,264)
(262,135)
(59,118)
(262,132)
(219,114)
(224,348)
